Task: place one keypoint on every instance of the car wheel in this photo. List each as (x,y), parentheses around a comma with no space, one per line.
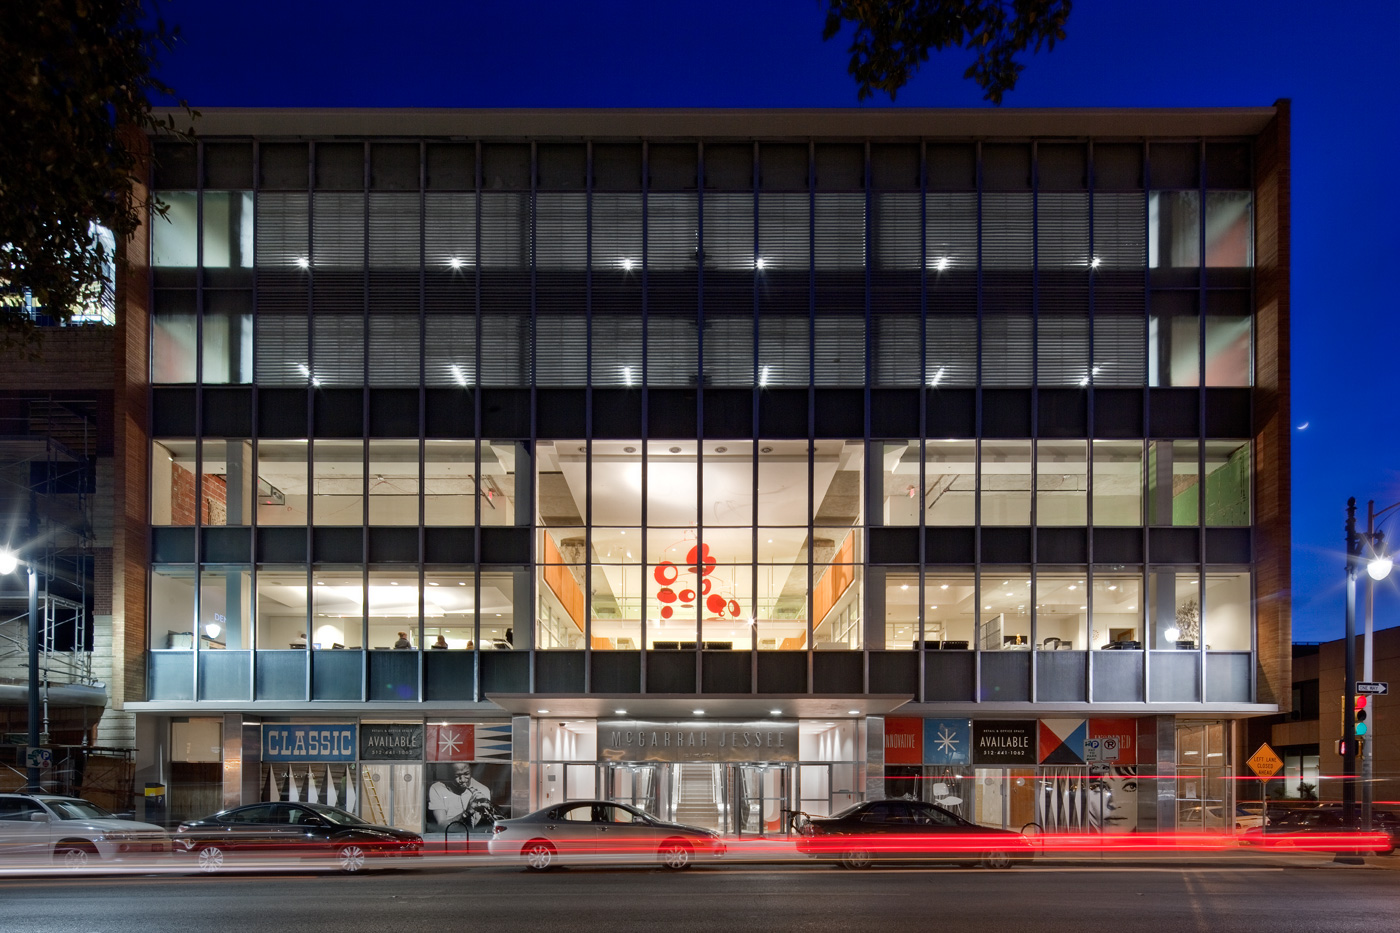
(211,859)
(352,858)
(997,858)
(675,854)
(855,859)
(73,855)
(539,855)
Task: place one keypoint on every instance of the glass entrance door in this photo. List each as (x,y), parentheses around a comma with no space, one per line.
(637,783)
(760,794)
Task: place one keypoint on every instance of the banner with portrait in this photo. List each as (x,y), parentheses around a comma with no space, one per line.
(465,797)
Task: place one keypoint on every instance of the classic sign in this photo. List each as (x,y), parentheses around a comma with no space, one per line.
(308,742)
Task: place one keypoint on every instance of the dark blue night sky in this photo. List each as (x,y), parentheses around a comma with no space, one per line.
(1335,61)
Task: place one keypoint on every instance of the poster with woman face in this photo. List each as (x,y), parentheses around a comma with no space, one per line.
(466,797)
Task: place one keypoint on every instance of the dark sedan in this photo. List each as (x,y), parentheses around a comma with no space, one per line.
(1324,828)
(291,829)
(908,829)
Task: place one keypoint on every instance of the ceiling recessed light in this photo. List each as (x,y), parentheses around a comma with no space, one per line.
(629,450)
(775,712)
(432,583)
(721,450)
(460,583)
(698,712)
(853,712)
(675,450)
(542,711)
(393,582)
(620,712)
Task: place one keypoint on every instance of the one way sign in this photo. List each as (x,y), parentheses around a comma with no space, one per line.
(1377,688)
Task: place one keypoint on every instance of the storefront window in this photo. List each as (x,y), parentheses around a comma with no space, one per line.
(951,600)
(282,489)
(1173,482)
(1061,610)
(950,483)
(781,620)
(1006,609)
(1174,610)
(1118,611)
(1061,483)
(1228,619)
(1117,482)
(725,610)
(782,483)
(1006,482)
(562,605)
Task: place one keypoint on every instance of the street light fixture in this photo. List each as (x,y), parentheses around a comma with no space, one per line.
(1377,569)
(9,562)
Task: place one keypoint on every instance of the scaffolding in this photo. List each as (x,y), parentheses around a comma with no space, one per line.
(47,490)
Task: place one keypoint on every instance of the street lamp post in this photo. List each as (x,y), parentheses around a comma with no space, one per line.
(8,563)
(1377,569)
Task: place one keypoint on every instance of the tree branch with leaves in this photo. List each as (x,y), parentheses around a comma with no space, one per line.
(75,75)
(894,37)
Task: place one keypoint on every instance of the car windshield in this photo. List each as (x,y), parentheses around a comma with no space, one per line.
(847,812)
(71,808)
(338,816)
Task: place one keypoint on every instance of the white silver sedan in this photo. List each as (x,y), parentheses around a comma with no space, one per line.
(601,831)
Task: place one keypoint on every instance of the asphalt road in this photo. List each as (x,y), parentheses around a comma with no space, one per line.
(1041,898)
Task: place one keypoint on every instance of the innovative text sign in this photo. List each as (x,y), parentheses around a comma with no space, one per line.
(308,742)
(629,740)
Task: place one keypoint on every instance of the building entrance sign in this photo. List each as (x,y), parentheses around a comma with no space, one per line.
(629,740)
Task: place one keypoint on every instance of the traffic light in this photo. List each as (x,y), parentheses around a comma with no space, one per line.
(1363,705)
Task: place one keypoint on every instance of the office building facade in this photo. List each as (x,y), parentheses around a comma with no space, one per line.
(725,462)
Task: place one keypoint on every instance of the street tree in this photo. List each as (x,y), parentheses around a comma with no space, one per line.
(892,38)
(76,80)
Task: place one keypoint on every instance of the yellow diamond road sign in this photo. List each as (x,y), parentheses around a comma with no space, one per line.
(1265,762)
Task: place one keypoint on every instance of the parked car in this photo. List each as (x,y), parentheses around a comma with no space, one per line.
(1324,828)
(599,830)
(291,829)
(1247,816)
(42,828)
(909,829)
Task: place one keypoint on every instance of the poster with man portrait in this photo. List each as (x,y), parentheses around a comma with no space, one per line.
(466,797)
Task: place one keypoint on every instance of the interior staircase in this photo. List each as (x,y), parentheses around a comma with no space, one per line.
(697,805)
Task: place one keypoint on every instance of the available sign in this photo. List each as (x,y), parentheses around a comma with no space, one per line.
(1004,742)
(391,741)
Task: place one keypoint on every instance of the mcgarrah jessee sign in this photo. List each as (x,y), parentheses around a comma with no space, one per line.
(629,740)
